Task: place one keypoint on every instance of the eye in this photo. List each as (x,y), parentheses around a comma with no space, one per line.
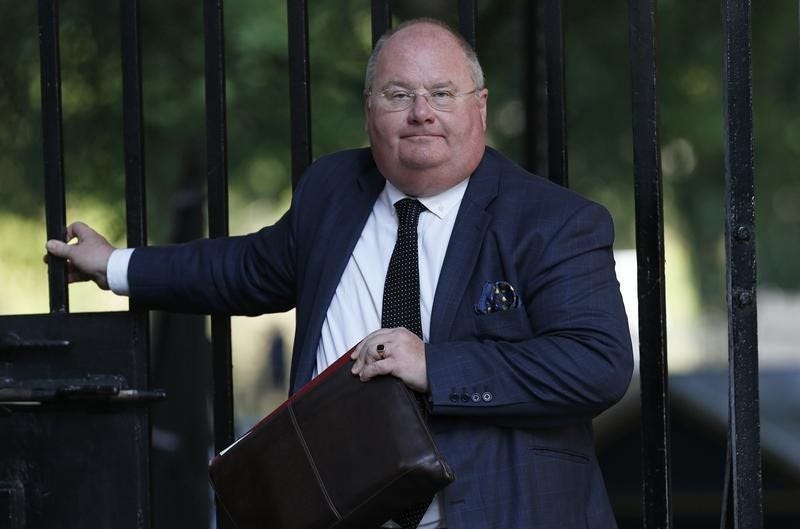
(442,95)
(398,96)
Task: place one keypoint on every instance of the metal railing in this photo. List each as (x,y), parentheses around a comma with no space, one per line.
(742,507)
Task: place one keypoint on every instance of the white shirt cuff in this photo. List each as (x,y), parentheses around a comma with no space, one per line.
(117,271)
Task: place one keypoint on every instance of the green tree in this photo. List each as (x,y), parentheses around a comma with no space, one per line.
(598,103)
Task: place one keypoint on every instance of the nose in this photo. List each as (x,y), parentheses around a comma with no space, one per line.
(420,111)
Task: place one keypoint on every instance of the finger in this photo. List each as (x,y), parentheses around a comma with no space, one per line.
(77,277)
(79,229)
(358,365)
(358,356)
(356,349)
(382,367)
(368,353)
(366,350)
(69,233)
(376,353)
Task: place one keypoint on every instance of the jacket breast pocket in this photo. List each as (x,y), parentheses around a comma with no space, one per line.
(510,325)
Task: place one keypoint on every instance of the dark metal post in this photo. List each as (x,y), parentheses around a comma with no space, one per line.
(726,516)
(217,170)
(535,139)
(744,437)
(132,117)
(650,266)
(135,202)
(55,202)
(381,18)
(556,92)
(466,21)
(299,88)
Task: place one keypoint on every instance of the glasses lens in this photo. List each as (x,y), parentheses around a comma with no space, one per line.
(441,99)
(395,100)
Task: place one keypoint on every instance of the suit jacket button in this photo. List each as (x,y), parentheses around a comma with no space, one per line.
(487,396)
(454,397)
(465,397)
(476,397)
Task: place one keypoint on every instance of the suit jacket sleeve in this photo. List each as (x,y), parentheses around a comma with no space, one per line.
(241,275)
(561,357)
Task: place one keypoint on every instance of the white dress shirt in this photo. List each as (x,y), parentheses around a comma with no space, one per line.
(355,310)
(117,271)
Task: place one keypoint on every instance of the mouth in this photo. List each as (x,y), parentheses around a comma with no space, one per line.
(420,137)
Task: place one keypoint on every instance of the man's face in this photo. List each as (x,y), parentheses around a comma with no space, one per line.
(423,151)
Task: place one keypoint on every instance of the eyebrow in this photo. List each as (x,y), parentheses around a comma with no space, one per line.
(407,86)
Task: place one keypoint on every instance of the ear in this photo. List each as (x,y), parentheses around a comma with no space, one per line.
(367,111)
(483,98)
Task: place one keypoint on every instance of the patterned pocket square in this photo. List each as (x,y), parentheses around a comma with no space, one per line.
(496,296)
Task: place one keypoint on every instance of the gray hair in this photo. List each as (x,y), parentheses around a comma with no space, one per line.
(476,72)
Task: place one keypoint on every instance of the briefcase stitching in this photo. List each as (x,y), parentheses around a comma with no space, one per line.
(311,462)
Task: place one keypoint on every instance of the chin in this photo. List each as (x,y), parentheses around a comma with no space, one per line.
(420,165)
(422,161)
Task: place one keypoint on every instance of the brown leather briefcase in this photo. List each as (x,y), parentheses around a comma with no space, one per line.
(339,453)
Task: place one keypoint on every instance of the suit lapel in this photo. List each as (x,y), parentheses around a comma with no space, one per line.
(338,238)
(464,246)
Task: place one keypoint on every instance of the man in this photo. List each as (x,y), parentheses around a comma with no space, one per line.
(524,338)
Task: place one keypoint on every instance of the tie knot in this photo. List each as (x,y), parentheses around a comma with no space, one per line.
(408,210)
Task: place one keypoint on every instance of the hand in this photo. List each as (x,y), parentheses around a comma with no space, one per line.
(87,259)
(397,352)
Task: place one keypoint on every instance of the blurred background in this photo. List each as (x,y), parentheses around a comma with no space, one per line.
(600,166)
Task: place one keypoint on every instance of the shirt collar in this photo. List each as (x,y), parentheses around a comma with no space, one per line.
(439,204)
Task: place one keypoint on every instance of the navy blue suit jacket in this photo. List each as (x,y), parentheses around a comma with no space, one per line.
(512,393)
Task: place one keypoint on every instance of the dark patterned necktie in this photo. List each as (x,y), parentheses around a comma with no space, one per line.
(401,303)
(401,290)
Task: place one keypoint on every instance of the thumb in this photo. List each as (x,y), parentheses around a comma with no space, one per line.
(58,248)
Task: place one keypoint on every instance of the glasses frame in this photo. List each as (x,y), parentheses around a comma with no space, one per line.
(416,93)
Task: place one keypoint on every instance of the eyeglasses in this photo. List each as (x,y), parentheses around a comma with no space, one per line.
(397,99)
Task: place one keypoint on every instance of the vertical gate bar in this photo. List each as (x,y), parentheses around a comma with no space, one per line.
(726,516)
(741,267)
(556,92)
(132,119)
(466,21)
(381,18)
(299,88)
(656,480)
(135,198)
(53,149)
(216,144)
(535,139)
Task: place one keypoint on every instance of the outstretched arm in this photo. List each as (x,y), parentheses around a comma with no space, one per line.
(87,258)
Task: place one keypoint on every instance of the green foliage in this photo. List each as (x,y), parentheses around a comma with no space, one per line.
(21,183)
(598,102)
(691,129)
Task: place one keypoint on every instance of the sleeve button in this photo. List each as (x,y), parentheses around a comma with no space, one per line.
(487,396)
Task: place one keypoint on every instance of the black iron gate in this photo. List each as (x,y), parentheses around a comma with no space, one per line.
(74,449)
(58,378)
(74,392)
